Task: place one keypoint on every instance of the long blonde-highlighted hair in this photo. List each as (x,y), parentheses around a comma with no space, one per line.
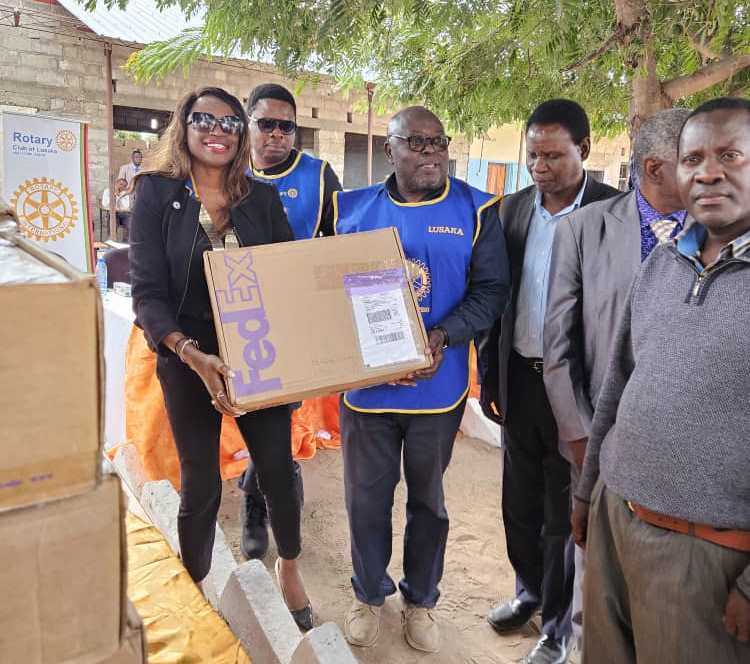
(171,156)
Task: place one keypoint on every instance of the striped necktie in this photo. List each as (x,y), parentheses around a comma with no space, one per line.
(663,229)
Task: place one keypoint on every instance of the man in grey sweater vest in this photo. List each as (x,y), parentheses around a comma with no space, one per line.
(667,468)
(596,254)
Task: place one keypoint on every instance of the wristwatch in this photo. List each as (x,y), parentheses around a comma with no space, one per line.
(446,341)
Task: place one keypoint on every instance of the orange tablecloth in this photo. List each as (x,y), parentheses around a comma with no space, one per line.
(314,425)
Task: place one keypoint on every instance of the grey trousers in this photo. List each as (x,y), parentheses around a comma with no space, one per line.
(580,565)
(653,596)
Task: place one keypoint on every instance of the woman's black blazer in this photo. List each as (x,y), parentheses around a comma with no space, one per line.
(167,246)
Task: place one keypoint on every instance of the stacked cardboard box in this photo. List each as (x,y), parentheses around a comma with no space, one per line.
(62,559)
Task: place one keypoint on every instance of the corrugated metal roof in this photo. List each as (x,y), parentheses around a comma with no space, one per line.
(140,23)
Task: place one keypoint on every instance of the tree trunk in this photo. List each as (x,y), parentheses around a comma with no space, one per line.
(647,95)
(647,98)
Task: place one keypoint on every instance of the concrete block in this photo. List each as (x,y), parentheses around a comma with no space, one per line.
(73,106)
(323,645)
(47,46)
(40,61)
(73,52)
(17,40)
(72,81)
(93,83)
(132,504)
(72,66)
(161,503)
(128,466)
(223,565)
(255,611)
(9,58)
(41,76)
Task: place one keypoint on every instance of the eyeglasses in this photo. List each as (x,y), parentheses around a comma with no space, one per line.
(206,122)
(267,125)
(419,143)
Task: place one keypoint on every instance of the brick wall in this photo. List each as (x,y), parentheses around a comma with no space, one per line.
(63,76)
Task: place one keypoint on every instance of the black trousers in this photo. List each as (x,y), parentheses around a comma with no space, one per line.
(248,481)
(196,427)
(373,445)
(536,502)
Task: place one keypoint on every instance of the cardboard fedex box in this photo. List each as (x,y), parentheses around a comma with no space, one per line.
(62,574)
(133,647)
(51,365)
(301,319)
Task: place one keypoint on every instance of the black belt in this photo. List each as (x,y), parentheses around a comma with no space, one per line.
(536,364)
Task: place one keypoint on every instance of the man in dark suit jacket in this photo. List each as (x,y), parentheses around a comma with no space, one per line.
(595,256)
(536,477)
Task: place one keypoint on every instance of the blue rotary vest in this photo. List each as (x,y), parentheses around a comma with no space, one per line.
(301,191)
(438,237)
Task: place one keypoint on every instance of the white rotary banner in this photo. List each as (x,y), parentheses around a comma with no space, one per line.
(45,181)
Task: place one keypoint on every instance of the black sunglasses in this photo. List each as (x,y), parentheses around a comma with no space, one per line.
(419,143)
(206,122)
(267,125)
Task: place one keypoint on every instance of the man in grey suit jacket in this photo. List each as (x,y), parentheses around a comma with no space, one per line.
(536,478)
(596,253)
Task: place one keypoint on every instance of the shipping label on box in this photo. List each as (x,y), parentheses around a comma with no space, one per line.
(300,319)
(381,317)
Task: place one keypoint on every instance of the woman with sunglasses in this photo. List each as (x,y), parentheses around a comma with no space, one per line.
(196,198)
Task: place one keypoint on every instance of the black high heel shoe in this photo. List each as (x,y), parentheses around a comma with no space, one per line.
(302,617)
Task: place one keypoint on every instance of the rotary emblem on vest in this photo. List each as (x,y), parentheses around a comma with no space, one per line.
(419,275)
(292,192)
(46,209)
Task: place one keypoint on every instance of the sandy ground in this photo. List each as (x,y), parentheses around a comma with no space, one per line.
(477,572)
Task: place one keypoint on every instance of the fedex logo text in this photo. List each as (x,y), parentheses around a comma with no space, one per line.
(241,304)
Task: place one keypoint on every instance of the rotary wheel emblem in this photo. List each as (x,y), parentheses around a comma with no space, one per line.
(45,208)
(419,274)
(292,192)
(66,140)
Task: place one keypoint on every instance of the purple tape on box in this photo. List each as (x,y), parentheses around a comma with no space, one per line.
(369,283)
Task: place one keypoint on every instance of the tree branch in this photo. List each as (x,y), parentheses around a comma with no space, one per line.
(705,77)
(632,16)
(617,37)
(630,12)
(702,48)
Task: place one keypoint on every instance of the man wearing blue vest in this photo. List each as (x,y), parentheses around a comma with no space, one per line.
(306,187)
(459,268)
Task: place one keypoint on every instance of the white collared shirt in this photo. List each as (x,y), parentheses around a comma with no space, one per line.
(532,293)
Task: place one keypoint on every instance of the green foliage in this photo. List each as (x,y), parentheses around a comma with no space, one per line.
(475,62)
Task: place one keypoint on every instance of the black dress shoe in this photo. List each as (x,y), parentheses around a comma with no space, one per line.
(510,616)
(548,651)
(254,518)
(303,617)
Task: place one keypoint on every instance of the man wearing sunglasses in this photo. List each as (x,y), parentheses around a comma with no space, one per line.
(306,184)
(306,187)
(459,269)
